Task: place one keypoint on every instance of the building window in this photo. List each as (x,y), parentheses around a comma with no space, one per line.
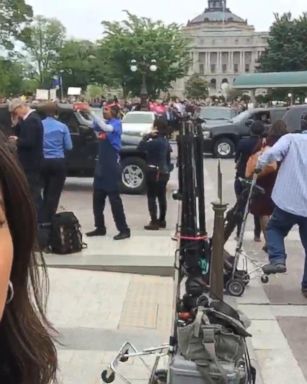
(213,68)
(201,69)
(236,68)
(213,84)
(224,68)
(247,67)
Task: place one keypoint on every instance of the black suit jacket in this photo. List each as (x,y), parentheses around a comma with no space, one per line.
(30,134)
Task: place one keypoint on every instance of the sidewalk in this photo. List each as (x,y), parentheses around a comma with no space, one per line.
(95,306)
(96,311)
(146,252)
(104,311)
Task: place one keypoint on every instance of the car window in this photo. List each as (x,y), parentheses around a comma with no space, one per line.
(138,118)
(263,116)
(242,116)
(293,118)
(69,118)
(277,114)
(216,113)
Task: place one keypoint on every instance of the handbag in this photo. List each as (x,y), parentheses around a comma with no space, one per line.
(252,164)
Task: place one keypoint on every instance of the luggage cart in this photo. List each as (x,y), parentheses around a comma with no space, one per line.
(237,279)
(127,352)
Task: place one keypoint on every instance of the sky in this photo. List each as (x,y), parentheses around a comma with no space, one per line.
(82,18)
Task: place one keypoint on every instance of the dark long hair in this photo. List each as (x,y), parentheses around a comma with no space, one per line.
(278,129)
(27,350)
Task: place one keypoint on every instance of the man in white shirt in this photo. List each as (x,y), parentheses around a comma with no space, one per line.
(290,197)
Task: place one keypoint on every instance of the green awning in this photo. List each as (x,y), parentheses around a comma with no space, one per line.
(271,80)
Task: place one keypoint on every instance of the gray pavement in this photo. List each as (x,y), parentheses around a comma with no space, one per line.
(95,311)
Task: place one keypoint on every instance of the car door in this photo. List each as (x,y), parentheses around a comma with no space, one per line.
(245,123)
(5,121)
(81,159)
(277,114)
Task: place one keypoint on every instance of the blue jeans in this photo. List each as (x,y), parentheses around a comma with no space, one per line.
(278,228)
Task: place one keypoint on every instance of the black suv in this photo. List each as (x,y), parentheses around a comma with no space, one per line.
(81,160)
(221,140)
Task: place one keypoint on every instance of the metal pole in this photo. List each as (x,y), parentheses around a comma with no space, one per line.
(217,257)
(199,145)
(61,85)
(144,93)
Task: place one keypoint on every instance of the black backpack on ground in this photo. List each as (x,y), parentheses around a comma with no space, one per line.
(66,235)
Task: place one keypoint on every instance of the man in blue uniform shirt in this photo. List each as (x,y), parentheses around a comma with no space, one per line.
(107,173)
(57,140)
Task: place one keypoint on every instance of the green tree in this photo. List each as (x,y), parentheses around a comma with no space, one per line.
(12,77)
(79,64)
(196,87)
(47,37)
(143,40)
(286,45)
(14,17)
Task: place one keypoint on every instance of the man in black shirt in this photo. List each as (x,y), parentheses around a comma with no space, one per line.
(157,149)
(29,142)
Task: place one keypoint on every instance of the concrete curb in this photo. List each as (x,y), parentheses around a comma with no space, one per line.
(135,270)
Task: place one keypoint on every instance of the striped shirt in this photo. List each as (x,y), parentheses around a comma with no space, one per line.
(290,190)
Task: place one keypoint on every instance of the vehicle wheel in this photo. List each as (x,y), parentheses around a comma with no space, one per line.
(235,288)
(243,276)
(106,377)
(224,148)
(247,279)
(125,359)
(160,377)
(133,178)
(264,279)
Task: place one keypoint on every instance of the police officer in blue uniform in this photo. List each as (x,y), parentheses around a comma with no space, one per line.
(107,173)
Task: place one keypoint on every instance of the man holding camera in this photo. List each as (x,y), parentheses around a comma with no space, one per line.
(107,173)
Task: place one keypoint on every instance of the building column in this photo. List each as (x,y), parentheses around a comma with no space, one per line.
(230,62)
(242,62)
(219,63)
(207,66)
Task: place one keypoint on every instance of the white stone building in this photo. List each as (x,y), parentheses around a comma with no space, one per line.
(223,45)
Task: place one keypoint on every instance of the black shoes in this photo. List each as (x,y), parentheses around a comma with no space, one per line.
(304,292)
(155,225)
(123,235)
(152,226)
(103,232)
(97,232)
(162,224)
(271,269)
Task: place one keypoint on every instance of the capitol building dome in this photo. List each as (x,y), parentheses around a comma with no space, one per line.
(217,12)
(222,46)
